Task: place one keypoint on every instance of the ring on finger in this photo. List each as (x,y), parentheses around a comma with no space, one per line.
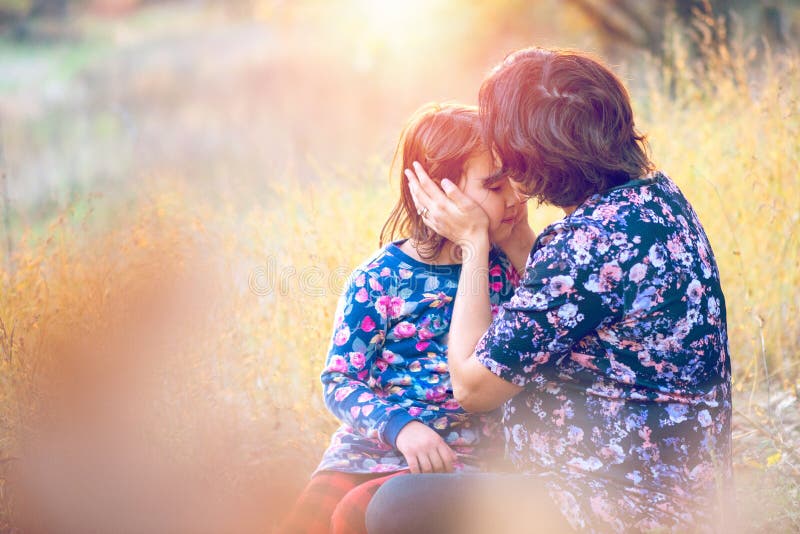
(424,212)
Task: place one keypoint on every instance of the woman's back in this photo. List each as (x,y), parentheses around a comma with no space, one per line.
(627,372)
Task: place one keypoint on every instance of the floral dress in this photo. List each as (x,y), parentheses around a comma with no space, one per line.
(618,335)
(387,364)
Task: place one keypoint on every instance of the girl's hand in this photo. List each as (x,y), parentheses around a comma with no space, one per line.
(424,449)
(449,213)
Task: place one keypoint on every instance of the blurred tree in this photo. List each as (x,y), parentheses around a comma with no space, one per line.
(643,24)
(12,10)
(16,15)
(636,24)
(774,25)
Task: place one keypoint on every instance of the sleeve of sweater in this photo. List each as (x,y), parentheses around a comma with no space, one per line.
(359,331)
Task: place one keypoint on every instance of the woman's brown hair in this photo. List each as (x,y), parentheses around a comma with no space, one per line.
(441,137)
(562,124)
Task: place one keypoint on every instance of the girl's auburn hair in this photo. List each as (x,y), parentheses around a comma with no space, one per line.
(441,137)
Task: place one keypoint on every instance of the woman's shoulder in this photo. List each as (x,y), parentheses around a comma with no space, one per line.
(645,216)
(622,209)
(579,228)
(595,231)
(629,200)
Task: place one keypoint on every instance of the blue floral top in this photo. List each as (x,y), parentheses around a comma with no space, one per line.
(387,364)
(618,335)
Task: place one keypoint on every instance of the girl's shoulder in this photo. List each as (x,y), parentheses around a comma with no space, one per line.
(496,255)
(390,266)
(380,264)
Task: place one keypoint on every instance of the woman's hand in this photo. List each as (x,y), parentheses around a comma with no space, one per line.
(424,449)
(447,210)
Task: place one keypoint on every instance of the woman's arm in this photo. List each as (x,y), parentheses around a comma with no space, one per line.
(568,290)
(474,386)
(457,217)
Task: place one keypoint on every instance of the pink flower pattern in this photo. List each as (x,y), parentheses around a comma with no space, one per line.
(387,363)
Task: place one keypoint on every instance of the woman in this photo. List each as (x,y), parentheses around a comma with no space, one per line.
(613,352)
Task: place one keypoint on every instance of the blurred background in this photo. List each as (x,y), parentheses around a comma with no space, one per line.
(96,94)
(186,184)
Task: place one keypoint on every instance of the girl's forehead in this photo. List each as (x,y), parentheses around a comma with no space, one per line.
(484,158)
(485,168)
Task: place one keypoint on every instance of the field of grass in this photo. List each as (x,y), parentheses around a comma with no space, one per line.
(160,350)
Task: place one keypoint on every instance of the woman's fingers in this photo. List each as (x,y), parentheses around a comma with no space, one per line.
(421,198)
(441,196)
(428,186)
(458,197)
(454,215)
(430,199)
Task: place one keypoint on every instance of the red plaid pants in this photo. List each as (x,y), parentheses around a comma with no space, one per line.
(334,502)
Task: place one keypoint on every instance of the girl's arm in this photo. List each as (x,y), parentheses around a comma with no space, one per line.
(359,332)
(358,335)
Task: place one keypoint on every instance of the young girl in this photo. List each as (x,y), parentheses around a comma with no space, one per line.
(386,376)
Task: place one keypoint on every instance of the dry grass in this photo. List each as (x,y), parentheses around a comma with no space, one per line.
(160,373)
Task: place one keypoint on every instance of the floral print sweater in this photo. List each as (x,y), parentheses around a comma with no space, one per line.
(387,364)
(618,335)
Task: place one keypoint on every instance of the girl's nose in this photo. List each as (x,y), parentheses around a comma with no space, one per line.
(513,196)
(520,196)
